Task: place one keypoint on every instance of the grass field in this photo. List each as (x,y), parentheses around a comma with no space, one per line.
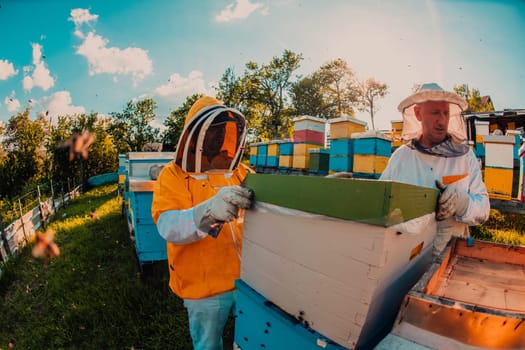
(92,296)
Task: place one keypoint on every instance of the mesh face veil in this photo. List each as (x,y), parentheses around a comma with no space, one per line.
(433,92)
(213,139)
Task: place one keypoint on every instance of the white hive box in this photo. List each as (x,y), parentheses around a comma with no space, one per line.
(339,254)
(139,163)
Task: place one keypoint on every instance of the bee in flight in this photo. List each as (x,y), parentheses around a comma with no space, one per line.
(45,247)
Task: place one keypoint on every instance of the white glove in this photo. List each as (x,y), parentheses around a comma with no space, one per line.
(452,201)
(210,215)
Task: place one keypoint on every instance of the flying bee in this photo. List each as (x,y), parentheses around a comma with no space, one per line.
(45,247)
(78,145)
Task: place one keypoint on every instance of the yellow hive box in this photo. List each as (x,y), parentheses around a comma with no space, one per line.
(397,126)
(253,150)
(344,127)
(302,149)
(499,183)
(301,162)
(285,161)
(273,149)
(369,163)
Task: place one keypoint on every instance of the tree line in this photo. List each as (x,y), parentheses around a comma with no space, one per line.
(270,95)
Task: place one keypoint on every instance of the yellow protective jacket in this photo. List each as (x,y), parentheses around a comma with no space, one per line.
(207,266)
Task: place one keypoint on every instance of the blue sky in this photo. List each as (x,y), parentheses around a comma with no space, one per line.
(69,57)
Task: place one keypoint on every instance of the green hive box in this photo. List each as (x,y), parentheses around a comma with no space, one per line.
(370,201)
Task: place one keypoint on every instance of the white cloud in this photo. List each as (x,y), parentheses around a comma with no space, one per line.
(79,17)
(7,70)
(179,86)
(112,60)
(12,104)
(240,9)
(60,104)
(101,59)
(41,75)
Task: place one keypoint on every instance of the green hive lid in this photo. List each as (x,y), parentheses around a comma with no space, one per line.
(376,202)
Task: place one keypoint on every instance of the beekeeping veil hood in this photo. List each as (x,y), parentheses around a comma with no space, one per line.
(206,114)
(433,92)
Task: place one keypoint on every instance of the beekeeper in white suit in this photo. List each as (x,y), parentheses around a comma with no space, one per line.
(437,156)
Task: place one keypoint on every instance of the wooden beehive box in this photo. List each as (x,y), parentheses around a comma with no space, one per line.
(499,165)
(472,297)
(339,253)
(344,127)
(149,245)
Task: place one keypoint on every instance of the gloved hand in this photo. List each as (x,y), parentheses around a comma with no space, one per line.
(452,201)
(210,215)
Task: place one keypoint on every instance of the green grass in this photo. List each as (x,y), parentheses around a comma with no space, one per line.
(508,228)
(91,296)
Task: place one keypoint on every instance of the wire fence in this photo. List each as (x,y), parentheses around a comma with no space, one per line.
(31,212)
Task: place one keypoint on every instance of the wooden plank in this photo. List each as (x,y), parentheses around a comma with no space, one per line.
(495,252)
(370,201)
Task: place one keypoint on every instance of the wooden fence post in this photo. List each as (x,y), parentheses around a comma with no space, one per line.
(22,219)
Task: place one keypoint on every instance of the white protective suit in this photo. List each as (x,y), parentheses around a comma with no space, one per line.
(408,165)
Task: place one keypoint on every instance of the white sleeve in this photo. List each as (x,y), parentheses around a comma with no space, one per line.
(479,205)
(178,226)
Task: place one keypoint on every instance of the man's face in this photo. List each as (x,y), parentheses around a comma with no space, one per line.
(434,117)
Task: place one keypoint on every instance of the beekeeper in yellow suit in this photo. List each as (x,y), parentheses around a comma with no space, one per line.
(196,204)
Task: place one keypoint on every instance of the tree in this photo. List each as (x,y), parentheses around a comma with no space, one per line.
(261,94)
(338,87)
(369,91)
(24,143)
(474,99)
(175,123)
(307,98)
(131,129)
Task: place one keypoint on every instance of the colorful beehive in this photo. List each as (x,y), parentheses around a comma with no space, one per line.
(397,130)
(521,188)
(319,160)
(341,155)
(472,297)
(253,154)
(482,129)
(149,245)
(344,127)
(262,154)
(301,155)
(337,255)
(272,159)
(309,129)
(372,149)
(499,165)
(286,154)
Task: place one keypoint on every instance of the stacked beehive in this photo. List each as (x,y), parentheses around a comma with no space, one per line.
(372,150)
(397,130)
(309,133)
(521,187)
(149,245)
(499,165)
(319,160)
(285,155)
(341,144)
